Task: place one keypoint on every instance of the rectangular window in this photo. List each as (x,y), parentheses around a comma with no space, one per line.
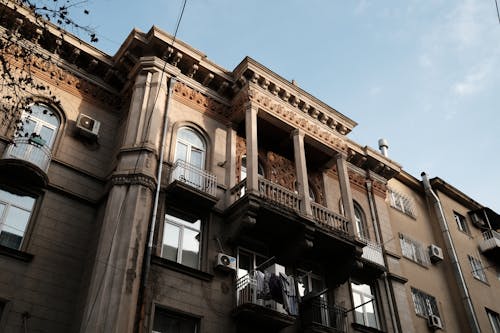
(413,250)
(494,319)
(425,304)
(401,203)
(181,241)
(168,322)
(365,308)
(477,268)
(15,212)
(461,222)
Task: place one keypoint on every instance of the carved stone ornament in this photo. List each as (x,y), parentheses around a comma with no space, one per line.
(281,171)
(379,188)
(317,130)
(143,180)
(202,103)
(357,180)
(317,185)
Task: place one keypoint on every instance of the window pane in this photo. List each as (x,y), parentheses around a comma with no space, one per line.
(9,239)
(190,248)
(164,322)
(180,152)
(170,241)
(47,134)
(16,220)
(189,136)
(196,158)
(45,114)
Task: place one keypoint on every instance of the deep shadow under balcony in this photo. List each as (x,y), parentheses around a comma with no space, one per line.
(25,161)
(192,185)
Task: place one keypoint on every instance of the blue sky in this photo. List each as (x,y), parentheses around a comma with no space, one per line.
(422,74)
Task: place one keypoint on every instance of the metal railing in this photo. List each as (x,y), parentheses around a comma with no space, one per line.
(279,194)
(30,151)
(317,311)
(372,251)
(330,219)
(194,176)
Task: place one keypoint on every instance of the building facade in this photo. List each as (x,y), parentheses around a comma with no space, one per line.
(163,193)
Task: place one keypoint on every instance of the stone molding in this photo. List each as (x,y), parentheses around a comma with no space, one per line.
(134,179)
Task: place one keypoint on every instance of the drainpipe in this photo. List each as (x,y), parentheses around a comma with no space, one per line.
(464,292)
(149,249)
(388,289)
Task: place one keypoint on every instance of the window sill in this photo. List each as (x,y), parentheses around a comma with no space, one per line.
(172,265)
(16,254)
(365,329)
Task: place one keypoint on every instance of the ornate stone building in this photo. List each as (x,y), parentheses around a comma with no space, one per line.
(163,193)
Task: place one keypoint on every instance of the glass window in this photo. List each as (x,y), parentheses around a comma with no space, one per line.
(190,147)
(181,241)
(424,303)
(15,212)
(401,203)
(360,222)
(494,319)
(365,305)
(248,261)
(168,322)
(461,223)
(477,269)
(413,250)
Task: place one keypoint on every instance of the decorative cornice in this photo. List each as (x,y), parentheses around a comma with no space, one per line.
(135,179)
(318,131)
(198,101)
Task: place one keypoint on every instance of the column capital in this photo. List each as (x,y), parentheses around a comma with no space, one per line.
(298,132)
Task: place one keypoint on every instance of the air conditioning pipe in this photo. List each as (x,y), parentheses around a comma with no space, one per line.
(450,248)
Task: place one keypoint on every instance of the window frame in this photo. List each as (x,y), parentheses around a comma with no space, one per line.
(360,221)
(431,303)
(175,314)
(402,203)
(477,269)
(417,252)
(200,135)
(494,319)
(180,238)
(364,297)
(32,213)
(461,222)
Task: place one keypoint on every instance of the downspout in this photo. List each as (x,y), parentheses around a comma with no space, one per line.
(388,289)
(464,292)
(149,249)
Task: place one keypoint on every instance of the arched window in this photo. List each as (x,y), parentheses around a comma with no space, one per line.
(42,122)
(190,147)
(359,217)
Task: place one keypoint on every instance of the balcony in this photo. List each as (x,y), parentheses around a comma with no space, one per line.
(490,245)
(252,311)
(319,316)
(188,183)
(372,252)
(26,160)
(332,221)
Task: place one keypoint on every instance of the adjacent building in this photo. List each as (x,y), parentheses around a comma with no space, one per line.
(164,193)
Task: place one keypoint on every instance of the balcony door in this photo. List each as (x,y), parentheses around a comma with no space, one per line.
(311,283)
(190,154)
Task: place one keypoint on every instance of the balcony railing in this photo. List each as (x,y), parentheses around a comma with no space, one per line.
(491,240)
(318,312)
(372,251)
(30,151)
(194,177)
(278,194)
(330,219)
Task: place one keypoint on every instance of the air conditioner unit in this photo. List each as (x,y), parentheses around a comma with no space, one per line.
(434,322)
(88,126)
(435,253)
(225,262)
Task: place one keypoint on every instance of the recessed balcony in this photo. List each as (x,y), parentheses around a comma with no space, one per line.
(26,160)
(319,316)
(253,311)
(188,183)
(490,244)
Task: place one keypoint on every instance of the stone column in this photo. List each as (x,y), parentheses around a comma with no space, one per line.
(230,163)
(301,171)
(252,149)
(345,190)
(113,292)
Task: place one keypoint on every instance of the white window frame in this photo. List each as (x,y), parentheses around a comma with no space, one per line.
(461,222)
(413,250)
(190,146)
(478,271)
(365,298)
(402,203)
(7,207)
(494,319)
(425,304)
(182,227)
(359,217)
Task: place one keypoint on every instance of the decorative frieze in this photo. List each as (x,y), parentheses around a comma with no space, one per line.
(135,179)
(281,171)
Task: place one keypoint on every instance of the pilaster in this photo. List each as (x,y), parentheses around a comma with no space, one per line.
(230,163)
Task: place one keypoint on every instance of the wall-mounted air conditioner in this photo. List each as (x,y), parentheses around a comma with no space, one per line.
(225,262)
(434,322)
(88,126)
(435,253)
